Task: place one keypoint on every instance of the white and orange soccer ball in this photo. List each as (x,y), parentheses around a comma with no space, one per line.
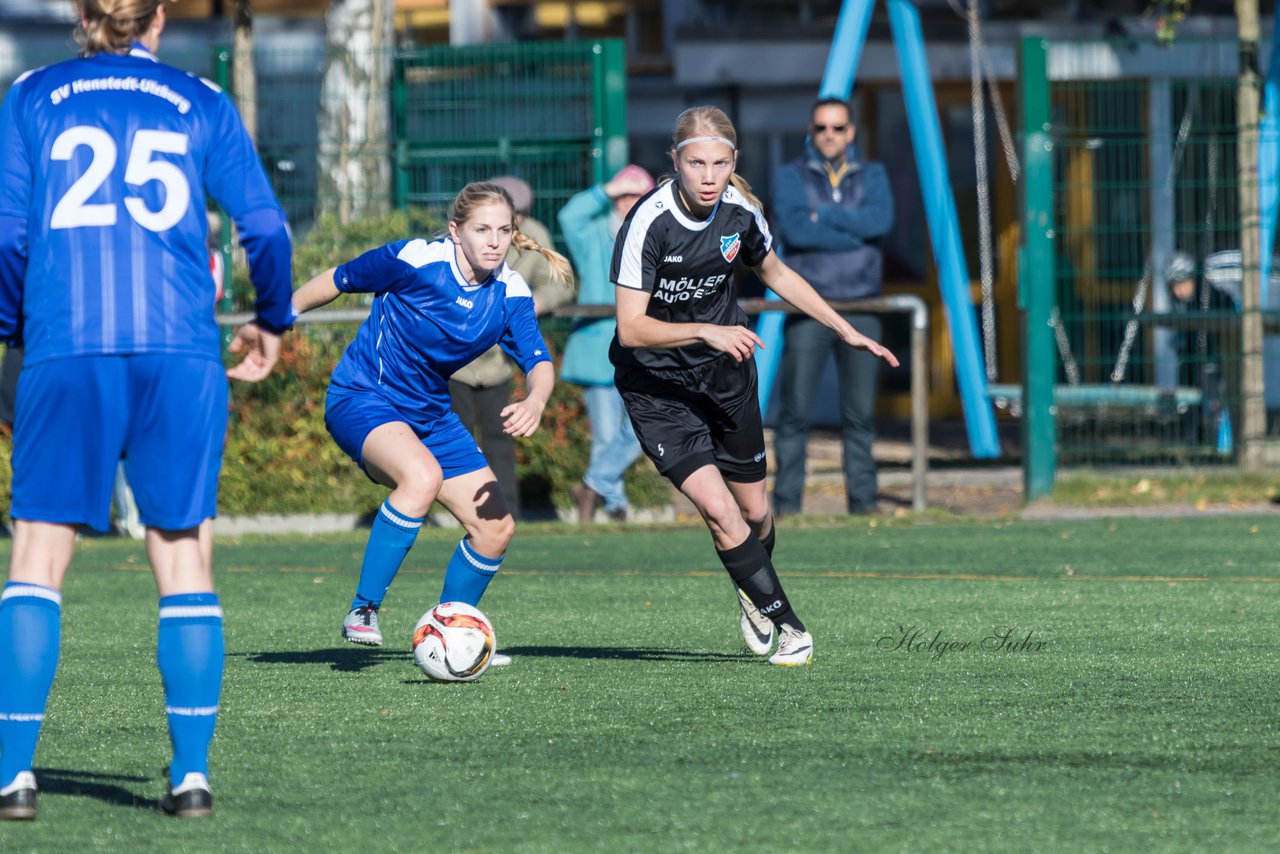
(453,642)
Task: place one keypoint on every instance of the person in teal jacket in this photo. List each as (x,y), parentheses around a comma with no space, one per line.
(589,221)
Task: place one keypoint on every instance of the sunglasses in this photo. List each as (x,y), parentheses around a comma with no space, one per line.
(832,128)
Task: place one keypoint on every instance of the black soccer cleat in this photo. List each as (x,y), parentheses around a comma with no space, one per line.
(192,798)
(18,799)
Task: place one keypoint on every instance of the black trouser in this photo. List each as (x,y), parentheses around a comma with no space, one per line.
(482,407)
(807,345)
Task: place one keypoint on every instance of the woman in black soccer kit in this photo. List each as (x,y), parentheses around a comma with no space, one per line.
(684,362)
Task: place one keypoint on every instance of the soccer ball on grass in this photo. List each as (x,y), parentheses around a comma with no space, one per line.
(453,642)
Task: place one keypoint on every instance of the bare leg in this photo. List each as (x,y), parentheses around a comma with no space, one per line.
(42,551)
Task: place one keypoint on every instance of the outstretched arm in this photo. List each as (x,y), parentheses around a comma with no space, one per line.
(319,290)
(260,346)
(789,285)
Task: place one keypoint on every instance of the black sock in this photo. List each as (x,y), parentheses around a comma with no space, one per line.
(749,566)
(769,539)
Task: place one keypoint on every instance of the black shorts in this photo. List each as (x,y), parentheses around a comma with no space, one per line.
(708,415)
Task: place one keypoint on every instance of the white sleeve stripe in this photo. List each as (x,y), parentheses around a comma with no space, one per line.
(761,223)
(516,285)
(32,591)
(180,612)
(191,711)
(419,253)
(631,268)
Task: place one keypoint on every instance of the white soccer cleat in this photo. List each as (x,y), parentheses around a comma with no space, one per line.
(18,799)
(794,649)
(757,629)
(361,626)
(499,660)
(192,798)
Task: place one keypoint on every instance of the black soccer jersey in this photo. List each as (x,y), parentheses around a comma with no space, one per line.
(686,265)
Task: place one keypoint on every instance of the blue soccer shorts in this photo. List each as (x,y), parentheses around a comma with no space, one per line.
(351,415)
(76,418)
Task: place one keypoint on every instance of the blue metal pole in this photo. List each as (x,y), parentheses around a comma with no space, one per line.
(837,82)
(846,48)
(944,228)
(1269,164)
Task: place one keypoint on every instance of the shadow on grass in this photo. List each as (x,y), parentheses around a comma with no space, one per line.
(343,659)
(86,784)
(625,653)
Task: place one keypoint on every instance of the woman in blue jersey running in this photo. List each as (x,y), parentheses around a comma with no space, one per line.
(438,305)
(104,275)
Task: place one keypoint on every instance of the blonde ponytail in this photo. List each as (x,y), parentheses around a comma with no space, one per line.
(561,270)
(112,26)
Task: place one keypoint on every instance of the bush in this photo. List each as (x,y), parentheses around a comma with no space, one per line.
(279,457)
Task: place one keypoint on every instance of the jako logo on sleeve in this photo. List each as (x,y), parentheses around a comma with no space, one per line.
(729,246)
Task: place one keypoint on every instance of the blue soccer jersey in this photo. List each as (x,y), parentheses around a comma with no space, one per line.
(427,322)
(106,164)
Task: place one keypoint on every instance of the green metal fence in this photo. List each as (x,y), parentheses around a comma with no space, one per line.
(551,113)
(1128,170)
(337,138)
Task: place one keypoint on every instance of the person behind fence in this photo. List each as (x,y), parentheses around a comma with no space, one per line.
(104,275)
(1199,345)
(685,360)
(830,208)
(590,220)
(438,305)
(480,390)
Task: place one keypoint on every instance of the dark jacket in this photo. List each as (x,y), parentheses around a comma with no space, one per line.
(838,253)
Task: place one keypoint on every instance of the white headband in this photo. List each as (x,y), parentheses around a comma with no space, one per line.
(692,140)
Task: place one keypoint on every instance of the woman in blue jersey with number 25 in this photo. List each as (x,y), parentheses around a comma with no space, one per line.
(104,275)
(438,305)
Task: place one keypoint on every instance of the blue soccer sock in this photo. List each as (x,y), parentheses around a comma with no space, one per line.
(468,574)
(189,651)
(30,632)
(389,542)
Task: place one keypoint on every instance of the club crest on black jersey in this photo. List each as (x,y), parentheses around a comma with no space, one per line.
(685,264)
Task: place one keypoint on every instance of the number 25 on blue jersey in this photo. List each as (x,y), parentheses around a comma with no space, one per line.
(74,210)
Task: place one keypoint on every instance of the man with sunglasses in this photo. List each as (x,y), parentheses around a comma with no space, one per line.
(829,211)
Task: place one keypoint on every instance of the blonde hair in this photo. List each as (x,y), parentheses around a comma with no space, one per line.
(708,121)
(111,26)
(477,194)
(561,269)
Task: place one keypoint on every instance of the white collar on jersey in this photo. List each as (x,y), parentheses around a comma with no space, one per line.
(140,50)
(457,271)
(686,217)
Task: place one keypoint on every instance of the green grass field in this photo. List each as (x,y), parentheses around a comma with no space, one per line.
(1140,715)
